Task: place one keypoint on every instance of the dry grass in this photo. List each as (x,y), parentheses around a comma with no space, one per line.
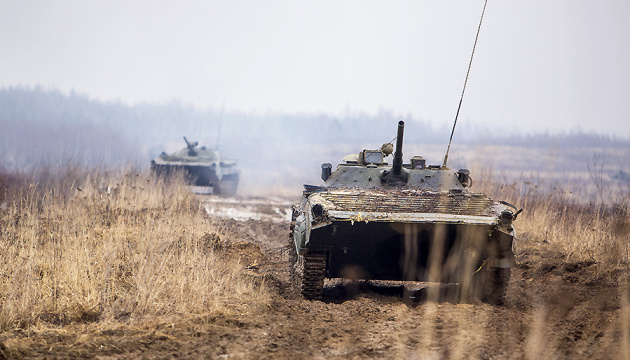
(127,246)
(89,246)
(566,216)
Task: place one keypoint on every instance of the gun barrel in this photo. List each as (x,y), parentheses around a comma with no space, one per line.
(191,147)
(398,155)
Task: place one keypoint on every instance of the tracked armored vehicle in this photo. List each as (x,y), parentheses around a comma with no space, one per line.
(202,166)
(403,222)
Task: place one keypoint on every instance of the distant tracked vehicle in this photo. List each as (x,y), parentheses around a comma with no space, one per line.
(202,166)
(403,222)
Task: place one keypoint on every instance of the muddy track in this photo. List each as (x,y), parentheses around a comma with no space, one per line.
(553,309)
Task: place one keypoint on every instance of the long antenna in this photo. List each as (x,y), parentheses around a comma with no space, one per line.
(465,81)
(216,144)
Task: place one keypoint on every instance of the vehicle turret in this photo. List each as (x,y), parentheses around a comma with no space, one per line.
(370,169)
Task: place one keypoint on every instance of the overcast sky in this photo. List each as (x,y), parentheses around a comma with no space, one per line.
(553,65)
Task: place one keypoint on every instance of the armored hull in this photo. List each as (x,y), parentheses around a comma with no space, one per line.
(405,222)
(201,166)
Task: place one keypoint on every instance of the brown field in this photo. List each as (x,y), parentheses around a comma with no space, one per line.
(105,265)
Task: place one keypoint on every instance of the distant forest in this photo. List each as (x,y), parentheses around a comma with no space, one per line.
(48,126)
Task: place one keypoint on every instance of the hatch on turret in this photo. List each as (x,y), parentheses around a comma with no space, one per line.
(366,157)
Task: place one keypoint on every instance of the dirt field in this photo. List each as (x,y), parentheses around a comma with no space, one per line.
(554,309)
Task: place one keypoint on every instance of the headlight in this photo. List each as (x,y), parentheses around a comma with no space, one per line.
(318,211)
(505,219)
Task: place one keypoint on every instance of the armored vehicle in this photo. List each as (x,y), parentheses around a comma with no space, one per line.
(202,166)
(403,222)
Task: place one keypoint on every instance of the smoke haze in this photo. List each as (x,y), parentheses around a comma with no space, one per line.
(275,150)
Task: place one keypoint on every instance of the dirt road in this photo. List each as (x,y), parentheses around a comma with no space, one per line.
(553,309)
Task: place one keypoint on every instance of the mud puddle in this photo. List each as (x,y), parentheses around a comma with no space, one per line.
(242,209)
